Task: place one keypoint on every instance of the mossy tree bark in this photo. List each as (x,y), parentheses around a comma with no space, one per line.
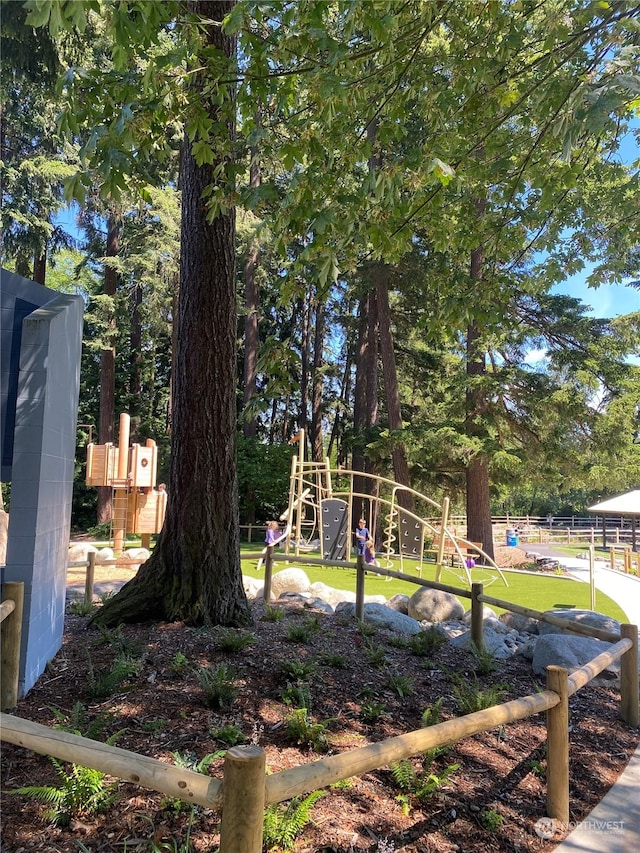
(194,572)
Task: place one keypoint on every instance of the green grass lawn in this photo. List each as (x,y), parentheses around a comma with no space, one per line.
(540,592)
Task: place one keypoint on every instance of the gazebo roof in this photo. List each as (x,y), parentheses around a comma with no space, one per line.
(627,504)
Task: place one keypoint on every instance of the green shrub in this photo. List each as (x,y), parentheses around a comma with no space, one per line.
(229,734)
(490,819)
(179,666)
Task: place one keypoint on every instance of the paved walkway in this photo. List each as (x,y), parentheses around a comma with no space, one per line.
(614,824)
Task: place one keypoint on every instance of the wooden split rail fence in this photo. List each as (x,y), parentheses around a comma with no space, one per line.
(245,789)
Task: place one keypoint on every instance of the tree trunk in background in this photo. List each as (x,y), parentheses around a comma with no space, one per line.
(306,313)
(360,419)
(40,268)
(251,340)
(317,384)
(194,572)
(392,392)
(108,367)
(337,432)
(135,363)
(479,527)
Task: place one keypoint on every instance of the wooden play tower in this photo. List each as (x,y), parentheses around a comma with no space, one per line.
(137,506)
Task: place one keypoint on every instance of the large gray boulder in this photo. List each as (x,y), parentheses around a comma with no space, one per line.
(581,617)
(252,586)
(570,652)
(289,580)
(383,617)
(78,551)
(335,596)
(304,600)
(487,613)
(434,605)
(497,643)
(520,623)
(399,602)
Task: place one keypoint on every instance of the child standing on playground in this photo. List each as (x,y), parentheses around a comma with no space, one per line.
(272,535)
(273,532)
(362,534)
(370,553)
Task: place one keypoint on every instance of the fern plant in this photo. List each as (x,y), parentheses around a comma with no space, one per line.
(300,670)
(233,641)
(190,762)
(283,823)
(217,685)
(471,697)
(422,783)
(272,614)
(297,695)
(77,722)
(427,643)
(83,792)
(401,684)
(303,632)
(81,607)
(303,732)
(123,669)
(485,661)
(179,666)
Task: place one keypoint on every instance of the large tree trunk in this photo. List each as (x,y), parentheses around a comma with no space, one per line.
(479,527)
(306,313)
(194,572)
(317,384)
(365,406)
(40,267)
(392,392)
(108,367)
(135,362)
(251,340)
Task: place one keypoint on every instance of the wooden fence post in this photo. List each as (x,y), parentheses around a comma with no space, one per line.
(629,703)
(268,572)
(243,796)
(91,573)
(477,636)
(558,747)
(10,638)
(360,587)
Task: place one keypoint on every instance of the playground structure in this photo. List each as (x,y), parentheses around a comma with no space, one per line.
(414,527)
(131,472)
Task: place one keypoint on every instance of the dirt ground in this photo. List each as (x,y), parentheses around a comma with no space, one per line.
(484,794)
